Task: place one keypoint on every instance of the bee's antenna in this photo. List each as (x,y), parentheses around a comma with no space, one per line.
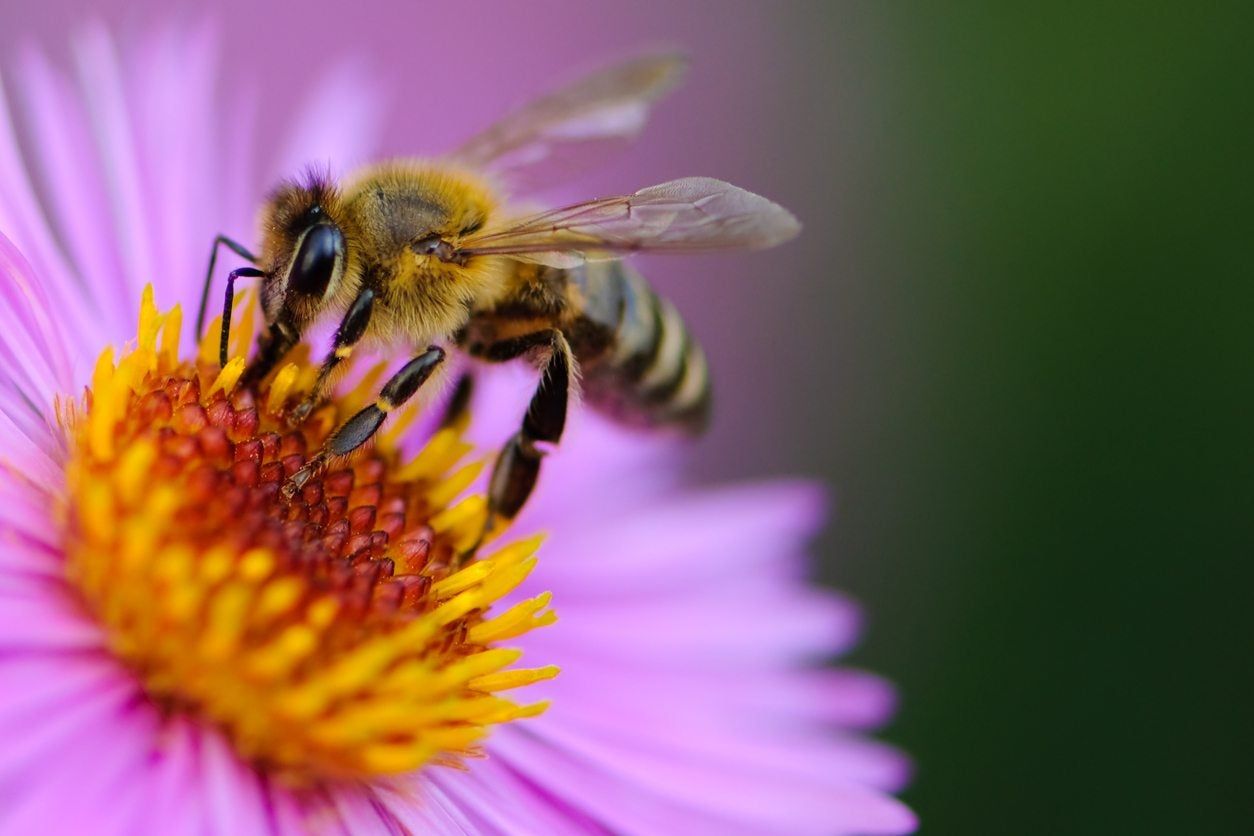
(228,301)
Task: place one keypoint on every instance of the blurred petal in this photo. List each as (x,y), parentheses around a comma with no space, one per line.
(64,154)
(520,805)
(759,786)
(704,631)
(428,810)
(338,125)
(34,358)
(235,801)
(75,743)
(43,620)
(22,221)
(686,539)
(170,81)
(132,205)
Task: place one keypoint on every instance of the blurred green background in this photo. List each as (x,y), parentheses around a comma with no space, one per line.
(1041,399)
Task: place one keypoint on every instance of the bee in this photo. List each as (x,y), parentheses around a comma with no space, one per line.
(428,255)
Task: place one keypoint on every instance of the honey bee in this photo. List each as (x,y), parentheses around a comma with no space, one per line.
(426,254)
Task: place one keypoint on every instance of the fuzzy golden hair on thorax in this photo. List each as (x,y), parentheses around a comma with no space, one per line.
(393,207)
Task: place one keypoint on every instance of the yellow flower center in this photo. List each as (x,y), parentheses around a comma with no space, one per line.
(335,635)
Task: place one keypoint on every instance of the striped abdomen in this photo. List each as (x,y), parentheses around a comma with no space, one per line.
(640,365)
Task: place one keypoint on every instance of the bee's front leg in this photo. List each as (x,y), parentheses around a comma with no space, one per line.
(235,247)
(352,329)
(228,302)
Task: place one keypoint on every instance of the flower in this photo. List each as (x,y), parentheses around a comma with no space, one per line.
(144,576)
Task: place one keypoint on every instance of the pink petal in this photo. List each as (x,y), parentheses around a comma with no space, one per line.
(337,125)
(418,807)
(728,745)
(73,735)
(44,620)
(27,531)
(775,700)
(22,221)
(235,801)
(704,632)
(35,362)
(517,806)
(618,806)
(173,780)
(170,79)
(690,540)
(30,472)
(708,798)
(63,153)
(132,206)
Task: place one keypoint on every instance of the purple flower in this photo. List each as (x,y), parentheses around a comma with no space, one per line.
(177,658)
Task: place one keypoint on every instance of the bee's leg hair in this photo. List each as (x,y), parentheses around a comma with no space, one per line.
(235,247)
(352,329)
(357,430)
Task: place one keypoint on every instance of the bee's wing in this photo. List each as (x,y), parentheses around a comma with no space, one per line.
(694,214)
(567,129)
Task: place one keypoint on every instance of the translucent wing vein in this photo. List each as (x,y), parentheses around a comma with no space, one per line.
(694,214)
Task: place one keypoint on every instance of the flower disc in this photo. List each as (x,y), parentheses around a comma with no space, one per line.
(336,634)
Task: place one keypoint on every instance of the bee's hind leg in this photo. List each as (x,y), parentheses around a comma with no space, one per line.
(518,467)
(359,429)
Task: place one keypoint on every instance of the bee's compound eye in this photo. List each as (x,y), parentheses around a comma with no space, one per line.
(316,261)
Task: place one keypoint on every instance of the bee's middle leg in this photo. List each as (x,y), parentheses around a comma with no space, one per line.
(359,429)
(235,247)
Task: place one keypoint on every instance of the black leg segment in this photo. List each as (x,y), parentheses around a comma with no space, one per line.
(228,300)
(518,467)
(397,391)
(546,414)
(513,479)
(235,247)
(357,430)
(352,329)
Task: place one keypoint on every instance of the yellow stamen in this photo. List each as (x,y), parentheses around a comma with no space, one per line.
(450,488)
(281,387)
(228,377)
(504,680)
(171,333)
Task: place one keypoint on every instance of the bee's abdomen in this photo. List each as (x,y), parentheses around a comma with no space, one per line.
(650,371)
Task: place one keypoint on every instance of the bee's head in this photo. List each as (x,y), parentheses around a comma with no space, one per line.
(303,250)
